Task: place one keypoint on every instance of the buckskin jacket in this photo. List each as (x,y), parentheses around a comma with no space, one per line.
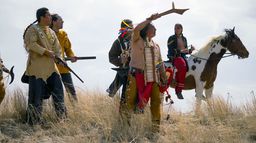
(37,40)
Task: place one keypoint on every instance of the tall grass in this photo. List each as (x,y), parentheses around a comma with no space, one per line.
(95,118)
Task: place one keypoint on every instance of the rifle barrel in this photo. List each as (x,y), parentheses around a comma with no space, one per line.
(59,60)
(81,58)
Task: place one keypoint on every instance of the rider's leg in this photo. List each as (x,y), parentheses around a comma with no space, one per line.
(180,64)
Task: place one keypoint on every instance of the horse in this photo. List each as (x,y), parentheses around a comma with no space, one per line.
(2,87)
(202,65)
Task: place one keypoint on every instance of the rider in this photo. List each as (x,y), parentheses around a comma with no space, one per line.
(177,51)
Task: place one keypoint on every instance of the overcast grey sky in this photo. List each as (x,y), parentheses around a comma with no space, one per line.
(92,26)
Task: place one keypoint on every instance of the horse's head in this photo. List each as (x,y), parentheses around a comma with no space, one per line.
(233,43)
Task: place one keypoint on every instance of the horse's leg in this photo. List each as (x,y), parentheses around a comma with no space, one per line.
(199,95)
(199,89)
(198,106)
(208,92)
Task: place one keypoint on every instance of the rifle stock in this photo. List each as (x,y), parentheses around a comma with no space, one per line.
(60,61)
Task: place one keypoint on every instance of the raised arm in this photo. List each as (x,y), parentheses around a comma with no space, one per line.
(140,26)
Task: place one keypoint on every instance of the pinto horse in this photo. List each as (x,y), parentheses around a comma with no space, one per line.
(203,64)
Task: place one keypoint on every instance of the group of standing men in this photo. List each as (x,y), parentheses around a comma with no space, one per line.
(137,56)
(44,40)
(134,52)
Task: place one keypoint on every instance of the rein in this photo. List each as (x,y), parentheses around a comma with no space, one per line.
(227,55)
(224,56)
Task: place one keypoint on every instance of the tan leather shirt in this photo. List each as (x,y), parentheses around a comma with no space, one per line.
(138,59)
(36,42)
(137,51)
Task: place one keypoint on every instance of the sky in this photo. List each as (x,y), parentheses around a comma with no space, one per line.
(92,26)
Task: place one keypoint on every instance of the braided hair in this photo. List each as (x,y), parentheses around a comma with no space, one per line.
(40,12)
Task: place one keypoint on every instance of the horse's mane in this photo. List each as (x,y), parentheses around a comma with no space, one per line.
(205,48)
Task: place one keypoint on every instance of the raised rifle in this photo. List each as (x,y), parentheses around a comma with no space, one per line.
(80,58)
(58,60)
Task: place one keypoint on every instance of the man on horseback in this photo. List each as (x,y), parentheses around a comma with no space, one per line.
(177,51)
(119,55)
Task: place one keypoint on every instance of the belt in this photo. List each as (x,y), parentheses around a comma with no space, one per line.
(135,70)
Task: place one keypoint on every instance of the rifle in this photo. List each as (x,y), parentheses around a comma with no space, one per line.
(58,60)
(81,58)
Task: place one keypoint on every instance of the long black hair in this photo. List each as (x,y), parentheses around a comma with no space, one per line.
(143,32)
(55,17)
(40,12)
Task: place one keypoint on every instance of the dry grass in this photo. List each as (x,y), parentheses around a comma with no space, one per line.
(96,119)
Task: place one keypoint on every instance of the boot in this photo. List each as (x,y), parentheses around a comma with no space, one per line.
(179,95)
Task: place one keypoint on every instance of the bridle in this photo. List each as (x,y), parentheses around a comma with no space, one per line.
(226,55)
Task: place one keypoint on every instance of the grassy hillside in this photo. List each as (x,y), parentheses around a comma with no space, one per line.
(96,119)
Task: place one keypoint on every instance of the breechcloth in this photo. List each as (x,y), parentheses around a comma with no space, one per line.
(120,80)
(69,86)
(144,91)
(39,90)
(180,64)
(155,100)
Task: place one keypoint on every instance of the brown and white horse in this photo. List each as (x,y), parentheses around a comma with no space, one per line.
(203,63)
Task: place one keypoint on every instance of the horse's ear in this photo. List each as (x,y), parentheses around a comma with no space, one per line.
(233,30)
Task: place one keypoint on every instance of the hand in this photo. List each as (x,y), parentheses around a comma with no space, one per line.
(124,58)
(49,53)
(154,17)
(191,49)
(73,59)
(184,51)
